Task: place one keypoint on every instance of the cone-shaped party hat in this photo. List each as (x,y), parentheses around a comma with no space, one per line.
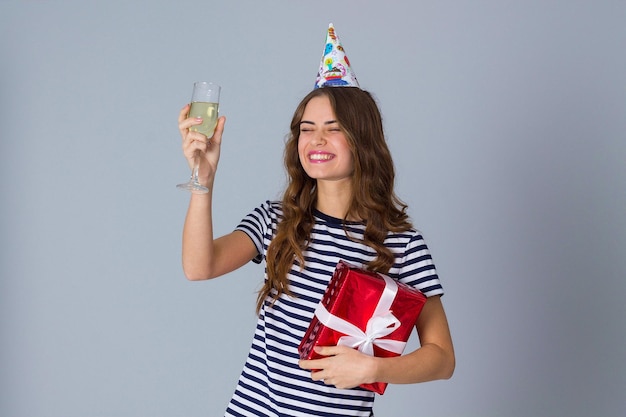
(335,70)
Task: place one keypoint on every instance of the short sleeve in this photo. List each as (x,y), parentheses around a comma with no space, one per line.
(418,269)
(259,226)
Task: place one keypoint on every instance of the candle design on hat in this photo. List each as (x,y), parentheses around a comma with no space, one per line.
(335,70)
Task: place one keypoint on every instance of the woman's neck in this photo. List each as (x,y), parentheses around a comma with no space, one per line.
(334,197)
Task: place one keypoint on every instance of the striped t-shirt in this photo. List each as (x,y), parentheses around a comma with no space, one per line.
(271,383)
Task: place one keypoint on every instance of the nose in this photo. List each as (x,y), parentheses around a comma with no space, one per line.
(318,139)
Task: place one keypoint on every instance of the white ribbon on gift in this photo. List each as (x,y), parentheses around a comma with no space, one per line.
(381,324)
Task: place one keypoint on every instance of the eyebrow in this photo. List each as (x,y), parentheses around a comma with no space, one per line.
(330,122)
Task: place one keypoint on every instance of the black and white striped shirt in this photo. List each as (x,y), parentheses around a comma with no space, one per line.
(271,383)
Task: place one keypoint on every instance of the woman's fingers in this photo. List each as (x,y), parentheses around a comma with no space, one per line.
(219,130)
(184,122)
(194,141)
(183,113)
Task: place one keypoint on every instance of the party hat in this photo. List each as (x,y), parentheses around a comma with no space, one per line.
(335,68)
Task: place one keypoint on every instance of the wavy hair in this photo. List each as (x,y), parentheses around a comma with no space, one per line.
(373,199)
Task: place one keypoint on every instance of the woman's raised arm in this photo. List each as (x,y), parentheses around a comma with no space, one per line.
(203,256)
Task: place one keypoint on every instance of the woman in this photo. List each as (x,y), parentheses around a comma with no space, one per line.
(339,205)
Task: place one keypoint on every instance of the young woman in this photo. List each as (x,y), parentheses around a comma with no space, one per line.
(339,205)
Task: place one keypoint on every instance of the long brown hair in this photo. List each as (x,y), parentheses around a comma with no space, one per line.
(373,199)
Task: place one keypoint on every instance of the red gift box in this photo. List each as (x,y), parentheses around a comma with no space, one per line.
(364,310)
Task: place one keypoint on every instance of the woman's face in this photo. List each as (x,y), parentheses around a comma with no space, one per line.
(323,149)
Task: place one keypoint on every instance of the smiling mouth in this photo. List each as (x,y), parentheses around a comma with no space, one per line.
(321,156)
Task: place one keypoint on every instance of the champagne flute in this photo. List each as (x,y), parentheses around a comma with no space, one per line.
(204,103)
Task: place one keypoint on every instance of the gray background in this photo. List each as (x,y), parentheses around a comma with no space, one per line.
(507,122)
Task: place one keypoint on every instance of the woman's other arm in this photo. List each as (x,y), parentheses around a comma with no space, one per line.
(345,367)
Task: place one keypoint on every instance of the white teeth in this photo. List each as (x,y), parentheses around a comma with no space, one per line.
(320,157)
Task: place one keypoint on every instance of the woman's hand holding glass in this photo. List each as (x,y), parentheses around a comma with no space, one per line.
(198,148)
(205,101)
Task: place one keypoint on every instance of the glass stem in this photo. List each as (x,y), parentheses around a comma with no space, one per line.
(196,168)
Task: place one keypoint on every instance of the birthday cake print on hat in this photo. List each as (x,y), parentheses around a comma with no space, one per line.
(335,70)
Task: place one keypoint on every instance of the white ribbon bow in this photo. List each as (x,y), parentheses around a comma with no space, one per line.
(381,324)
